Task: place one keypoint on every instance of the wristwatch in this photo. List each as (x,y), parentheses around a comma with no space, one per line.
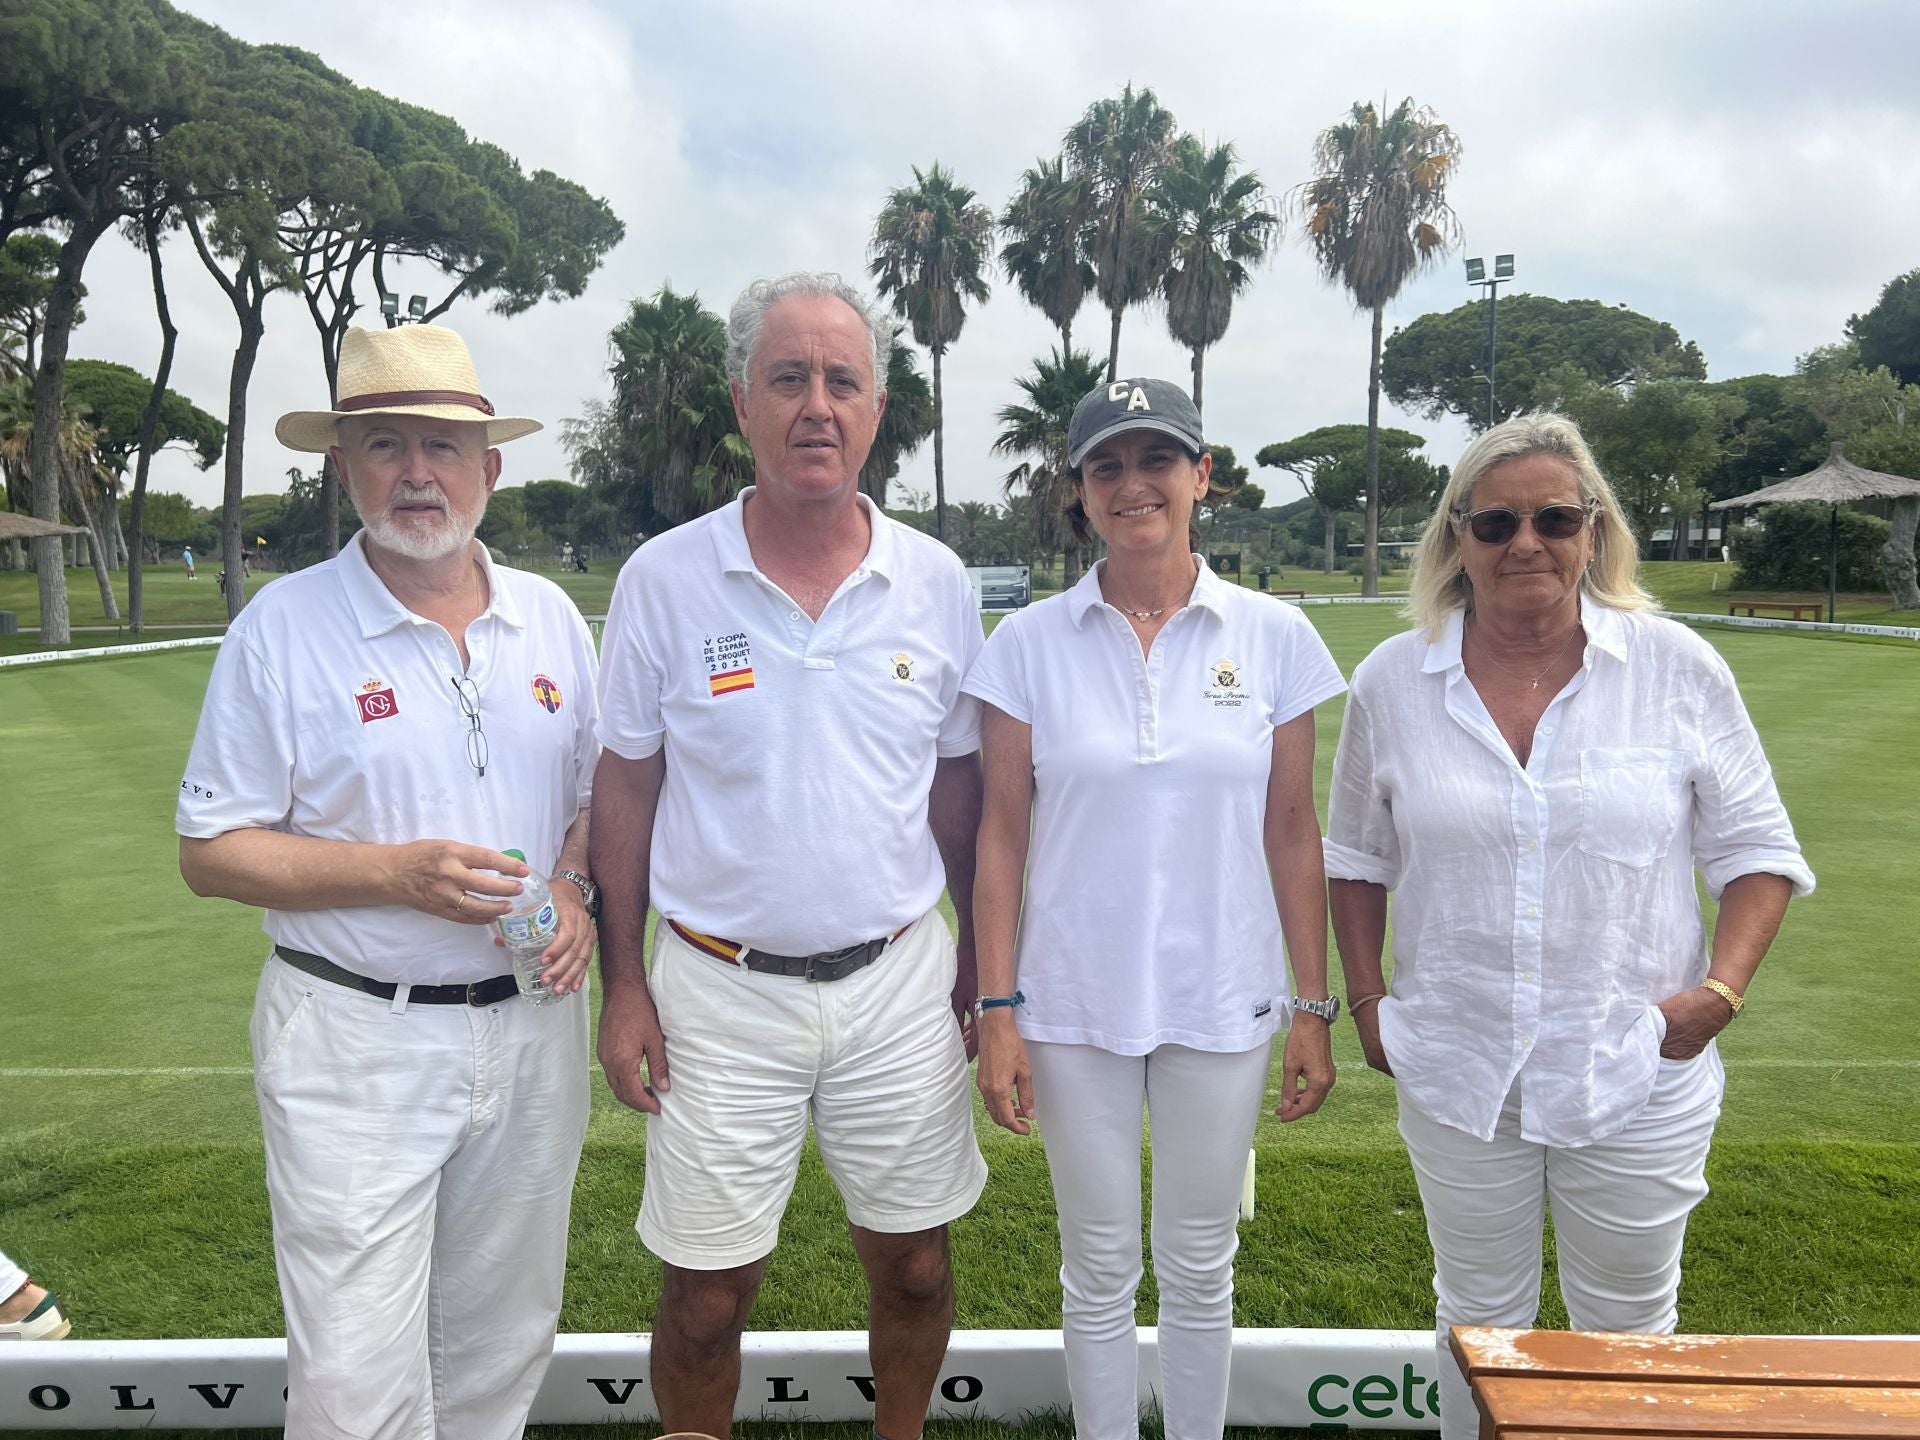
(1326,1009)
(589,892)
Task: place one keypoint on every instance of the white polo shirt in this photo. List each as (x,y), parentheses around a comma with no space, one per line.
(332,712)
(799,753)
(1541,912)
(1149,916)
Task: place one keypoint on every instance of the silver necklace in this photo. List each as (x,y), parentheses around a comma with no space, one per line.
(1141,614)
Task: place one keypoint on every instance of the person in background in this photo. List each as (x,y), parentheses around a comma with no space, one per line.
(1535,773)
(1152,731)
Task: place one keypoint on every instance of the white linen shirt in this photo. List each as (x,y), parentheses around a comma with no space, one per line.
(1149,917)
(800,753)
(332,712)
(1542,912)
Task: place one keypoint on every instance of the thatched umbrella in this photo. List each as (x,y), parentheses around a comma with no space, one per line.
(14,526)
(1838,482)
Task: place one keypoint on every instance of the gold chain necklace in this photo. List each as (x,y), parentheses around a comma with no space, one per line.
(1534,683)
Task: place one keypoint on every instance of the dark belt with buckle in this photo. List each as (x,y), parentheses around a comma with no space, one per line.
(816,969)
(481,993)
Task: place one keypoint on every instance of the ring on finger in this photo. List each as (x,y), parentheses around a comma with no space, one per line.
(460,906)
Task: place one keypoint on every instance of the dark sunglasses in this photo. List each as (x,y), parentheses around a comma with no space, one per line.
(1498,524)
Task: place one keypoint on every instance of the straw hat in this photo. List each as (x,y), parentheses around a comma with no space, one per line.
(408,370)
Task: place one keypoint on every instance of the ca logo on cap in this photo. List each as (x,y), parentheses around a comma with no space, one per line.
(1137,400)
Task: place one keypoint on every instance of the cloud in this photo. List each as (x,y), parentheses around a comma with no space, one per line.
(1737,170)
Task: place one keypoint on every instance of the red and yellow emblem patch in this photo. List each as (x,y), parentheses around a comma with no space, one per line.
(547,693)
(727,681)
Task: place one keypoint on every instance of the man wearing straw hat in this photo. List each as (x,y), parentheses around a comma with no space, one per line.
(378,730)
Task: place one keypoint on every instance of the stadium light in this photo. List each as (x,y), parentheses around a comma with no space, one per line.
(1490,284)
(390,307)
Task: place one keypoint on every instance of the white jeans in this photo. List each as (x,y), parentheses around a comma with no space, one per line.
(420,1162)
(12,1277)
(1620,1209)
(1201,1108)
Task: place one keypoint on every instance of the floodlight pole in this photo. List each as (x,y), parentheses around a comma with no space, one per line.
(1490,285)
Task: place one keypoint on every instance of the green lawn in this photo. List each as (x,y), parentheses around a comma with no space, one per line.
(139,1195)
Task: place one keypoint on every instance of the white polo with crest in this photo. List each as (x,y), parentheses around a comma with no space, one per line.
(800,753)
(333,712)
(1150,917)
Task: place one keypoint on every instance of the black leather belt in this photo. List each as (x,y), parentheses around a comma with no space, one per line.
(819,968)
(481,993)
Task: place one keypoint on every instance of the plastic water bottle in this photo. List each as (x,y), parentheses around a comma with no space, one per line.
(529,928)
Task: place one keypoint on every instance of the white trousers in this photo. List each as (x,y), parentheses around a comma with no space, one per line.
(1201,1109)
(12,1277)
(1620,1209)
(420,1161)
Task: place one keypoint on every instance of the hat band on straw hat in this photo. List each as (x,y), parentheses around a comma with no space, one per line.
(388,399)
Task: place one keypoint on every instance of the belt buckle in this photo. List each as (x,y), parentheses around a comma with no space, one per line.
(473,999)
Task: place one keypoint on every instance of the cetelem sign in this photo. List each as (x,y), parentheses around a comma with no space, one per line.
(1326,1379)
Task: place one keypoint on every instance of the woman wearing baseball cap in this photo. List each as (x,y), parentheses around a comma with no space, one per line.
(1149,768)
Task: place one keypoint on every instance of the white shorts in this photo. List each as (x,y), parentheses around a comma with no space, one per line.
(876,1059)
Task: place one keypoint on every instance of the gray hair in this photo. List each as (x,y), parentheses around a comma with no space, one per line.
(1440,586)
(749,315)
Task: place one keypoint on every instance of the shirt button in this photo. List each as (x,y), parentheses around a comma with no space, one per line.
(1526,1042)
(1546,729)
(793,615)
(1531,912)
(1531,846)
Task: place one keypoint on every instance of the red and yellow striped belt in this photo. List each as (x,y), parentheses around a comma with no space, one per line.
(818,968)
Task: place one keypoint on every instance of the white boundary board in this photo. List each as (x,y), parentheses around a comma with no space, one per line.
(1366,1379)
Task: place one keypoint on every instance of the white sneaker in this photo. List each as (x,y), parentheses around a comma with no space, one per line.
(46,1321)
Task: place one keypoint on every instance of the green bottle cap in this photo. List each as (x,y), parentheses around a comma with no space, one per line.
(519,855)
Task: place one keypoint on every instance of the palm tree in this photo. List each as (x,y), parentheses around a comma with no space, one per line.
(679,454)
(930,243)
(1045,255)
(84,479)
(905,425)
(1209,224)
(1377,212)
(1117,150)
(1037,429)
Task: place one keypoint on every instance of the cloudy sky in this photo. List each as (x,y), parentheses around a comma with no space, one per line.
(1742,169)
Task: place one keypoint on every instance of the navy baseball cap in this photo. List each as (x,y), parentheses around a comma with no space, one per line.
(1137,404)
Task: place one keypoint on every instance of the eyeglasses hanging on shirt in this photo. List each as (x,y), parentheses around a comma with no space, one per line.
(469,694)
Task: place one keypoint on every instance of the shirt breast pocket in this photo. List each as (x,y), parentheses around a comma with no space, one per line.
(1630,798)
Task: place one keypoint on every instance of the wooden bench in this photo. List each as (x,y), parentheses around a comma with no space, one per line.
(1554,1385)
(1288,594)
(1810,609)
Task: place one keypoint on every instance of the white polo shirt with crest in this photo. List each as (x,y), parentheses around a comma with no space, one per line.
(800,753)
(333,712)
(1149,917)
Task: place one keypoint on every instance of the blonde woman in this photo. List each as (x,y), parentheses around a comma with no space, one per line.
(1536,771)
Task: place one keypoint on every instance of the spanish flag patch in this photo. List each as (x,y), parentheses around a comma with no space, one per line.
(727,681)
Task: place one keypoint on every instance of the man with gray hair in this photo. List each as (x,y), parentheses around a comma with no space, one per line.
(798,654)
